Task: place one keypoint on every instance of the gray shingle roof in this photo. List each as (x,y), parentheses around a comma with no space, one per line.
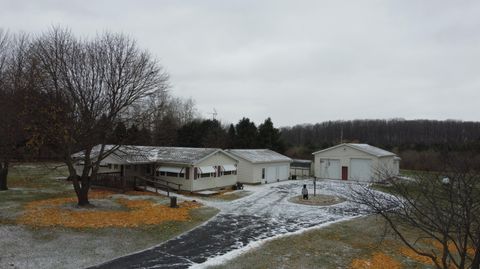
(145,154)
(372,150)
(378,152)
(259,155)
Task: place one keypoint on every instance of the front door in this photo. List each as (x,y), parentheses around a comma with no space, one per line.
(344,172)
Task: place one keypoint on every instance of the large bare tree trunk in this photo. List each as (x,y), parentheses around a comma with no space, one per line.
(83,196)
(81,186)
(3,176)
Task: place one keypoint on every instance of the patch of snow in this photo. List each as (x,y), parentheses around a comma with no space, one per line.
(218,260)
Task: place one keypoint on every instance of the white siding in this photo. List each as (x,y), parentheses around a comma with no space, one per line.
(252,173)
(245,172)
(217,159)
(344,156)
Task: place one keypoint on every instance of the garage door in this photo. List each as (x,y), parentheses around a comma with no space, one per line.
(361,169)
(283,172)
(330,168)
(271,175)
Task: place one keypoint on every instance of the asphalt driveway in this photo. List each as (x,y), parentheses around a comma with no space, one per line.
(263,214)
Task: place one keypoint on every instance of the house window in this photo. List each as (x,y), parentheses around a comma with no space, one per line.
(127,167)
(115,166)
(263,173)
(207,175)
(110,166)
(170,174)
(226,173)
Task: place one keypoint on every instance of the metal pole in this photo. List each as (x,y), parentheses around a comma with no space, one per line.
(314,186)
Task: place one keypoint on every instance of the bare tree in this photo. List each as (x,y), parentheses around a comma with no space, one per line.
(4,156)
(90,85)
(17,76)
(442,207)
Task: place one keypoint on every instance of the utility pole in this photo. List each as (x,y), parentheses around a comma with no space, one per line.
(214,114)
(341,134)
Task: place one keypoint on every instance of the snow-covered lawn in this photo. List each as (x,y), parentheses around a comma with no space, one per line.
(258,213)
(244,223)
(24,246)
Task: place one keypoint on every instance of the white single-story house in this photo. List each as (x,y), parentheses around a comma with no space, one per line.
(193,169)
(257,166)
(361,162)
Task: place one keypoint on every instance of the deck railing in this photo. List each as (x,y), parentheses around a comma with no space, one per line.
(156,184)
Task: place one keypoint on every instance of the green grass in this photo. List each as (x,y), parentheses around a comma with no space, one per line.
(31,182)
(334,246)
(38,175)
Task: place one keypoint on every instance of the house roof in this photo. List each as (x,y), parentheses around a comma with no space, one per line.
(378,152)
(259,155)
(147,154)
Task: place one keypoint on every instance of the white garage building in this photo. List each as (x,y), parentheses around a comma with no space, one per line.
(257,166)
(361,162)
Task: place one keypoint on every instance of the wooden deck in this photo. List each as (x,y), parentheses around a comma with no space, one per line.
(125,183)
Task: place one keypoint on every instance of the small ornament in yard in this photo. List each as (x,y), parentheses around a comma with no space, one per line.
(173,201)
(305,192)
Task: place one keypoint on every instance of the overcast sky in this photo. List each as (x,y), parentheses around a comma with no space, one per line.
(294,61)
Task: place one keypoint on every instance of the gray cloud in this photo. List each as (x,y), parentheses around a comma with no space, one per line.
(294,61)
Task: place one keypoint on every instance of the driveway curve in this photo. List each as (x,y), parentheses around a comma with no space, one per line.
(263,214)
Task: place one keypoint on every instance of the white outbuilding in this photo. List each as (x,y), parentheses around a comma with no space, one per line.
(360,162)
(257,166)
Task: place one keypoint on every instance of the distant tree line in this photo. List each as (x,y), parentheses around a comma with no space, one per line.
(418,142)
(198,132)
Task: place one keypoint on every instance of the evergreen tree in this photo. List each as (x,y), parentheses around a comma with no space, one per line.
(215,135)
(189,135)
(269,137)
(119,134)
(246,134)
(166,130)
(132,135)
(231,137)
(144,137)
